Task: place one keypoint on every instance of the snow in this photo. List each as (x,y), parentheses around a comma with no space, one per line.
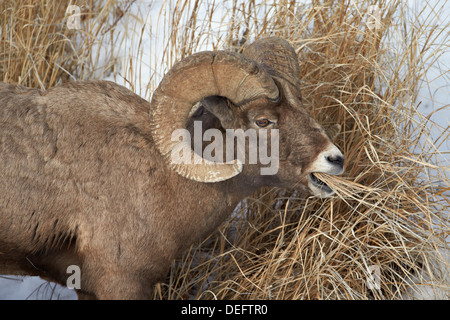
(33,288)
(143,58)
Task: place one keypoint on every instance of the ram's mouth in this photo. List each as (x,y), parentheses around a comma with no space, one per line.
(316,182)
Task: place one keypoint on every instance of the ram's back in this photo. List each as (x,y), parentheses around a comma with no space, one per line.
(66,155)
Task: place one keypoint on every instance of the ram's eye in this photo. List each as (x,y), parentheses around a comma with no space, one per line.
(263,123)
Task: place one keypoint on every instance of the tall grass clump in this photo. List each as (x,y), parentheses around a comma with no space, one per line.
(389,220)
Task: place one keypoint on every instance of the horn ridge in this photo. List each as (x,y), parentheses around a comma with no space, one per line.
(277,57)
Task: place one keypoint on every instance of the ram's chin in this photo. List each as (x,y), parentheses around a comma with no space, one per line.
(318,187)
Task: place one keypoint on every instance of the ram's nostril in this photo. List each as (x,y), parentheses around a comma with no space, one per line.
(336,160)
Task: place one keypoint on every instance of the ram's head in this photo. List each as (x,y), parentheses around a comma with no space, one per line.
(242,115)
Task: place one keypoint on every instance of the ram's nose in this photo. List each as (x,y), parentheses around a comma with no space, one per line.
(330,161)
(336,160)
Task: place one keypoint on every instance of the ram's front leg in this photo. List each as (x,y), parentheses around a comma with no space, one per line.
(129,277)
(111,283)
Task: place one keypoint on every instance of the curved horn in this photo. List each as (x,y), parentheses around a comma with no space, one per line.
(204,74)
(277,57)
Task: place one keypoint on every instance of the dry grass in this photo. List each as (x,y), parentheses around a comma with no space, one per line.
(392,204)
(37,49)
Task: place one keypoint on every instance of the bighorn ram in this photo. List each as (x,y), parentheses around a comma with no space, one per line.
(87,176)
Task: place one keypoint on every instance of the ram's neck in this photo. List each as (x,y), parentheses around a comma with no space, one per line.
(202,207)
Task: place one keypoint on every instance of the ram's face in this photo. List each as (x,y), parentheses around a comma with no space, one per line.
(305,149)
(242,116)
(282,144)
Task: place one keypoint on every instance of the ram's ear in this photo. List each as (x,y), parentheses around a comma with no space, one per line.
(221,108)
(333,131)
